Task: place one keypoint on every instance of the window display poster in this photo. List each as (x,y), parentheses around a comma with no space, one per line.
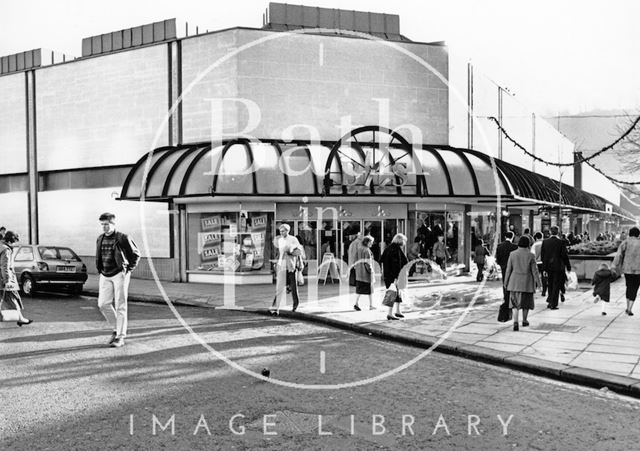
(259,223)
(210,223)
(208,239)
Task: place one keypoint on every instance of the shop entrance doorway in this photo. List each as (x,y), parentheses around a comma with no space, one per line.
(382,231)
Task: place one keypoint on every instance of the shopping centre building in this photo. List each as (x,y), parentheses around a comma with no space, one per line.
(331,121)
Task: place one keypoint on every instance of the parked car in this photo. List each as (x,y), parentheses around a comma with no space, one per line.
(50,267)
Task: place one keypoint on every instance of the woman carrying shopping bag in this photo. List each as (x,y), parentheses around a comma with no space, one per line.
(10,304)
(394,261)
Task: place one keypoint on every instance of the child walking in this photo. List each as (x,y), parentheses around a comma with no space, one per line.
(602,286)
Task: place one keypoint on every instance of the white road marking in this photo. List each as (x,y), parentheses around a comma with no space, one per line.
(322,362)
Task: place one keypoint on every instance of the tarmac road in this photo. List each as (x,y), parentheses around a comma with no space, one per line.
(63,388)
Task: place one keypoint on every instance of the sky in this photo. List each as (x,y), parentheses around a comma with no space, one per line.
(556,57)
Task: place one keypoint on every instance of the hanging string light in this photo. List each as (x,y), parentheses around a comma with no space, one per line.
(586,160)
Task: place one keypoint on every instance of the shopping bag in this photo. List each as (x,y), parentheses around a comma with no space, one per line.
(390,296)
(572,281)
(299,278)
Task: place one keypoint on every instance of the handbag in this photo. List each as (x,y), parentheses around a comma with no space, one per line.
(390,296)
(8,315)
(505,313)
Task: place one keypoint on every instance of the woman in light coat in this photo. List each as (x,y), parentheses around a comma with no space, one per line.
(10,299)
(627,262)
(365,276)
(521,280)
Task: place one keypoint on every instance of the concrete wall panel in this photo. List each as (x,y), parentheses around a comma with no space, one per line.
(13,124)
(102,111)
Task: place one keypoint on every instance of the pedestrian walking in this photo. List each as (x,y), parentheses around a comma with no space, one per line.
(116,256)
(10,299)
(480,259)
(555,261)
(521,280)
(289,250)
(365,277)
(536,250)
(627,262)
(440,252)
(601,281)
(527,233)
(352,252)
(394,261)
(3,230)
(503,250)
(414,254)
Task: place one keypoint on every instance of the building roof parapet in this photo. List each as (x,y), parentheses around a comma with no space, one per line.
(285,17)
(31,59)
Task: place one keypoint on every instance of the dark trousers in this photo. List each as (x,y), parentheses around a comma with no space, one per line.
(480,275)
(292,282)
(556,280)
(505,293)
(504,313)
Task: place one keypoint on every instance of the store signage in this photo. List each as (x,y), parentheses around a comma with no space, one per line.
(372,172)
(210,223)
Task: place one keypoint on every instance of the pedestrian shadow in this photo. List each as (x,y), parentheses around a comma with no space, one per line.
(48,352)
(139,332)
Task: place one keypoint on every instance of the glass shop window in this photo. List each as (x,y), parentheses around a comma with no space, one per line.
(236,241)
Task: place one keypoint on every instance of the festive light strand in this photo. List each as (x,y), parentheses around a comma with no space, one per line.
(581,159)
(586,160)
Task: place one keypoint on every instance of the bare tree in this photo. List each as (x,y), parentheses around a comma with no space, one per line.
(628,150)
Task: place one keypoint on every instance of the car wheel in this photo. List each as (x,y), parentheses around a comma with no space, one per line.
(28,285)
(76,289)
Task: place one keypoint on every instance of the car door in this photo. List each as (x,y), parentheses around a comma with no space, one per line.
(23,259)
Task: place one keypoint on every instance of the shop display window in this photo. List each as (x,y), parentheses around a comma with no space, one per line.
(232,241)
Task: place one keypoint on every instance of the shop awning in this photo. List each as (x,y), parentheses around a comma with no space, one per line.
(273,168)
(532,188)
(381,166)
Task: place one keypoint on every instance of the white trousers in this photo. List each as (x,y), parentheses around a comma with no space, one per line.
(114,291)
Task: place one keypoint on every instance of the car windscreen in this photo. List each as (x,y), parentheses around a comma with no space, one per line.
(57,253)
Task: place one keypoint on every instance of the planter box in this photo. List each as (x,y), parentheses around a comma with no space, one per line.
(586,265)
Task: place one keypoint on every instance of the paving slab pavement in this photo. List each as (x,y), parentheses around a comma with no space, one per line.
(575,343)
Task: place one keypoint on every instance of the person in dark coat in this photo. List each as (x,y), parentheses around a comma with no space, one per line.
(480,259)
(555,261)
(503,251)
(601,281)
(521,279)
(394,270)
